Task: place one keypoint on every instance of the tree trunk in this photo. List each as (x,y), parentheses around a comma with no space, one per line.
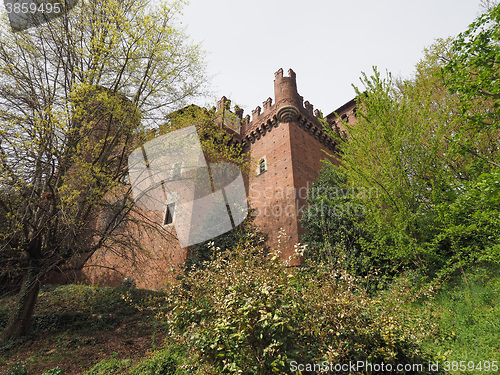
(20,317)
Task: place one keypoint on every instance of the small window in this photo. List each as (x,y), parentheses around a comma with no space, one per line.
(169,214)
(262,166)
(345,118)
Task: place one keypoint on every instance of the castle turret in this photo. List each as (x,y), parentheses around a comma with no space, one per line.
(288,100)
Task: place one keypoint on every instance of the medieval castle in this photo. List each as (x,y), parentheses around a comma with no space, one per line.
(286,142)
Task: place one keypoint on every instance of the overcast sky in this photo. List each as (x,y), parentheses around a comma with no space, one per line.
(328,43)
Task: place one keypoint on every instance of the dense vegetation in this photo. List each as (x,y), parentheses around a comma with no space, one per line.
(419,185)
(253,314)
(401,256)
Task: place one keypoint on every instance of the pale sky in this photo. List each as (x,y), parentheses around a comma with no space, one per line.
(327,43)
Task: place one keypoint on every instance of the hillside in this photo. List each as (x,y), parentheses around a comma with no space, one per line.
(77,326)
(87,330)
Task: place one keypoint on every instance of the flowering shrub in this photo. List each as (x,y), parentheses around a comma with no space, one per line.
(247,313)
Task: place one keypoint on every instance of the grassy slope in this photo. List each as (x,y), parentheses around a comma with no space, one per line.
(468,312)
(76,326)
(461,319)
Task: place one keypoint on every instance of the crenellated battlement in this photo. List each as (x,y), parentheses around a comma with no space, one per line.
(223,104)
(285,96)
(288,107)
(279,75)
(285,89)
(267,104)
(256,112)
(285,141)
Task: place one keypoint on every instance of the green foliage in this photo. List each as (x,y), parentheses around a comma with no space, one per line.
(109,366)
(397,149)
(248,313)
(54,371)
(436,202)
(474,72)
(453,321)
(334,220)
(17,369)
(470,224)
(165,362)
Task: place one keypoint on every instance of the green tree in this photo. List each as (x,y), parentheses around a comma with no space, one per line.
(412,143)
(470,222)
(473,72)
(334,220)
(395,149)
(74,95)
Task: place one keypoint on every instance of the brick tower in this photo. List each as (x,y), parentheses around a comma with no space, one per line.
(286,143)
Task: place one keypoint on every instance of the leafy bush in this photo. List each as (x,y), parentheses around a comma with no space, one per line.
(165,362)
(248,313)
(470,225)
(334,220)
(54,371)
(108,367)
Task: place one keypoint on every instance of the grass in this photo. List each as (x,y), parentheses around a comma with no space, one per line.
(76,326)
(461,320)
(468,316)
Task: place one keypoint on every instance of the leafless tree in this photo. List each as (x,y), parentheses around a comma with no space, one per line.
(75,95)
